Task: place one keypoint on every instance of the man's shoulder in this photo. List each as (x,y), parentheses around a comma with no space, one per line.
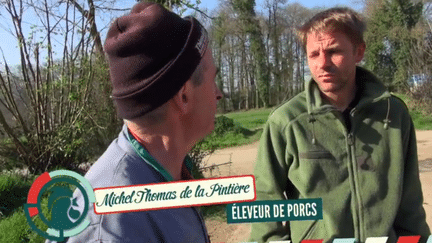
(290,109)
(400,112)
(398,103)
(120,165)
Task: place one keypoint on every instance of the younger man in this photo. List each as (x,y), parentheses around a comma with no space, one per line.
(345,139)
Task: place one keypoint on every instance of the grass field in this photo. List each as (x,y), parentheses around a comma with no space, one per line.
(421,118)
(236,128)
(251,119)
(255,119)
(13,223)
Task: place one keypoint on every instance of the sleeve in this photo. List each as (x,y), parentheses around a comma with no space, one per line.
(411,217)
(271,172)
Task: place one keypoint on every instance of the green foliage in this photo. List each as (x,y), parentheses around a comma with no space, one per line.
(389,39)
(55,113)
(251,119)
(224,125)
(197,154)
(237,128)
(180,5)
(250,25)
(13,223)
(9,156)
(228,133)
(421,120)
(214,212)
(16,228)
(13,193)
(216,139)
(167,4)
(419,110)
(77,122)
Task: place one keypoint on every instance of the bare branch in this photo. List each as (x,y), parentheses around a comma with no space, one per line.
(187,4)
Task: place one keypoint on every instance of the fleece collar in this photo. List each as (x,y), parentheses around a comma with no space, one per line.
(373,91)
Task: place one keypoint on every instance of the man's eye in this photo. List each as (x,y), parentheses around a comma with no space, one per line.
(312,55)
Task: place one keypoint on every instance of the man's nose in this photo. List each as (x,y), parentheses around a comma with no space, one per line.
(218,93)
(324,60)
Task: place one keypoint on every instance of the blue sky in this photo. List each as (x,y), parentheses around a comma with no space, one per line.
(211,4)
(9,48)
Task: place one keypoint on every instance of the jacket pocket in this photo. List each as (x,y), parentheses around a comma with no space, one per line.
(316,155)
(317,172)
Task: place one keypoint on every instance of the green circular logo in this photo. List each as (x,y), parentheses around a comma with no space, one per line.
(50,202)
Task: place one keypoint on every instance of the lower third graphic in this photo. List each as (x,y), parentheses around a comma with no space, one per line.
(59,210)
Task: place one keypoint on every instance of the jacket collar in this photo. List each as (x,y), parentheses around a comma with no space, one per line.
(373,91)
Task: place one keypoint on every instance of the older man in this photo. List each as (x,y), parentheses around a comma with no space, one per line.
(163,75)
(345,139)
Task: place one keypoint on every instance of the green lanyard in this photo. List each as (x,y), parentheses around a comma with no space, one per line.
(144,154)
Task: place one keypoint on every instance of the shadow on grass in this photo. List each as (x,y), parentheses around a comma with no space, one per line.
(250,133)
(13,193)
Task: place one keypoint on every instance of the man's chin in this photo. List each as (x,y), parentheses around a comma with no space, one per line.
(330,88)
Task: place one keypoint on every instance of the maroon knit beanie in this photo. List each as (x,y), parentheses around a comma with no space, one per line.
(152,52)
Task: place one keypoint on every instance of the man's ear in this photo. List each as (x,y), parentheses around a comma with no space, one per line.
(361,48)
(182,99)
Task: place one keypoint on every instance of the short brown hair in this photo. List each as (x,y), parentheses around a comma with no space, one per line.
(344,20)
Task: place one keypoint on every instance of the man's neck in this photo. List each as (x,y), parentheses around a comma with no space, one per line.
(167,148)
(342,99)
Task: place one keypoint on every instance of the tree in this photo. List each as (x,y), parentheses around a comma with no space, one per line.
(420,62)
(389,39)
(283,56)
(250,25)
(61,111)
(275,30)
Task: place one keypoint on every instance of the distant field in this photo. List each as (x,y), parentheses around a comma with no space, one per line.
(238,128)
(251,119)
(256,118)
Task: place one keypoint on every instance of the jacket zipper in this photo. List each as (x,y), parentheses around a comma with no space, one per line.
(357,216)
(357,196)
(352,166)
(350,139)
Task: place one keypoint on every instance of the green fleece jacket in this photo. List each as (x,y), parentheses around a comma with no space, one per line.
(367,177)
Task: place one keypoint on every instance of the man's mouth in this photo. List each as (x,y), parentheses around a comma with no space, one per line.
(326,75)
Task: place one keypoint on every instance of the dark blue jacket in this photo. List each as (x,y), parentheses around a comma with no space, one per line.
(120,165)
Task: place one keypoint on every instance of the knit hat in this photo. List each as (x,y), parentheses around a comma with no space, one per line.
(151,52)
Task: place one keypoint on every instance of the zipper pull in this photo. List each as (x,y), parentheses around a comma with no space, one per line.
(350,139)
